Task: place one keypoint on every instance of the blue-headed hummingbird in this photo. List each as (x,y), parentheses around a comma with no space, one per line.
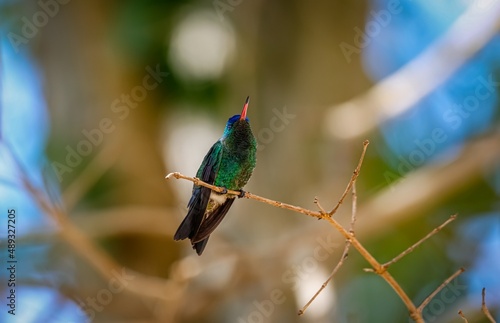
(229,164)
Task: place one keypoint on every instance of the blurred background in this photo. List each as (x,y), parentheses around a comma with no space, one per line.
(101,99)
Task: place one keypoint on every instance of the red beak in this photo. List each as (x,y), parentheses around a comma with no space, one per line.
(244,111)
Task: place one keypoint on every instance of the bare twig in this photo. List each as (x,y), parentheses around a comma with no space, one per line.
(381,270)
(463,316)
(316,201)
(412,309)
(199,182)
(247,195)
(410,249)
(484,308)
(355,175)
(440,287)
(415,313)
(416,316)
(354,208)
(327,281)
(355,243)
(344,253)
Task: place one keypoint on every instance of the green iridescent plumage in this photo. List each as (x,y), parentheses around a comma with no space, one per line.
(229,163)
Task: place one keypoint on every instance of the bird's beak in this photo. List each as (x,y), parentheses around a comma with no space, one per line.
(244,111)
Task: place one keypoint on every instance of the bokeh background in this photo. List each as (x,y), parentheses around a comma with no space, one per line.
(101,99)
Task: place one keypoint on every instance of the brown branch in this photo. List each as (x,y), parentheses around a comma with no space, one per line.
(316,201)
(410,249)
(323,286)
(463,316)
(247,195)
(484,308)
(354,208)
(355,243)
(412,309)
(440,287)
(344,253)
(199,182)
(354,176)
(381,270)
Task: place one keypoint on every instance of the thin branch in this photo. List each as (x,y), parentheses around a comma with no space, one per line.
(415,315)
(410,249)
(463,316)
(354,208)
(344,253)
(355,175)
(247,195)
(316,201)
(334,271)
(484,308)
(412,309)
(199,182)
(440,287)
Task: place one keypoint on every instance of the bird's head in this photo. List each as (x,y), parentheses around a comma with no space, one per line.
(237,119)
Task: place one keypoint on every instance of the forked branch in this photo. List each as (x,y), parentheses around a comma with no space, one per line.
(354,176)
(381,270)
(345,253)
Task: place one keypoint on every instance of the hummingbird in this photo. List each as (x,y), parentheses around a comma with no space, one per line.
(228,164)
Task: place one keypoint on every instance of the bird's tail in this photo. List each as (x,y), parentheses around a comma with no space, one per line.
(212,221)
(184,229)
(200,246)
(197,205)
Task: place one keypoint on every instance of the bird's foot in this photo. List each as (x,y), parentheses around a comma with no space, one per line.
(242,194)
(224,191)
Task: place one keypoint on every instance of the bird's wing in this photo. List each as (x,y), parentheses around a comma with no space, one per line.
(201,195)
(212,221)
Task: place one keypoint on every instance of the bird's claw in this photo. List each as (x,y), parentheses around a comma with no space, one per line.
(224,191)
(242,194)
